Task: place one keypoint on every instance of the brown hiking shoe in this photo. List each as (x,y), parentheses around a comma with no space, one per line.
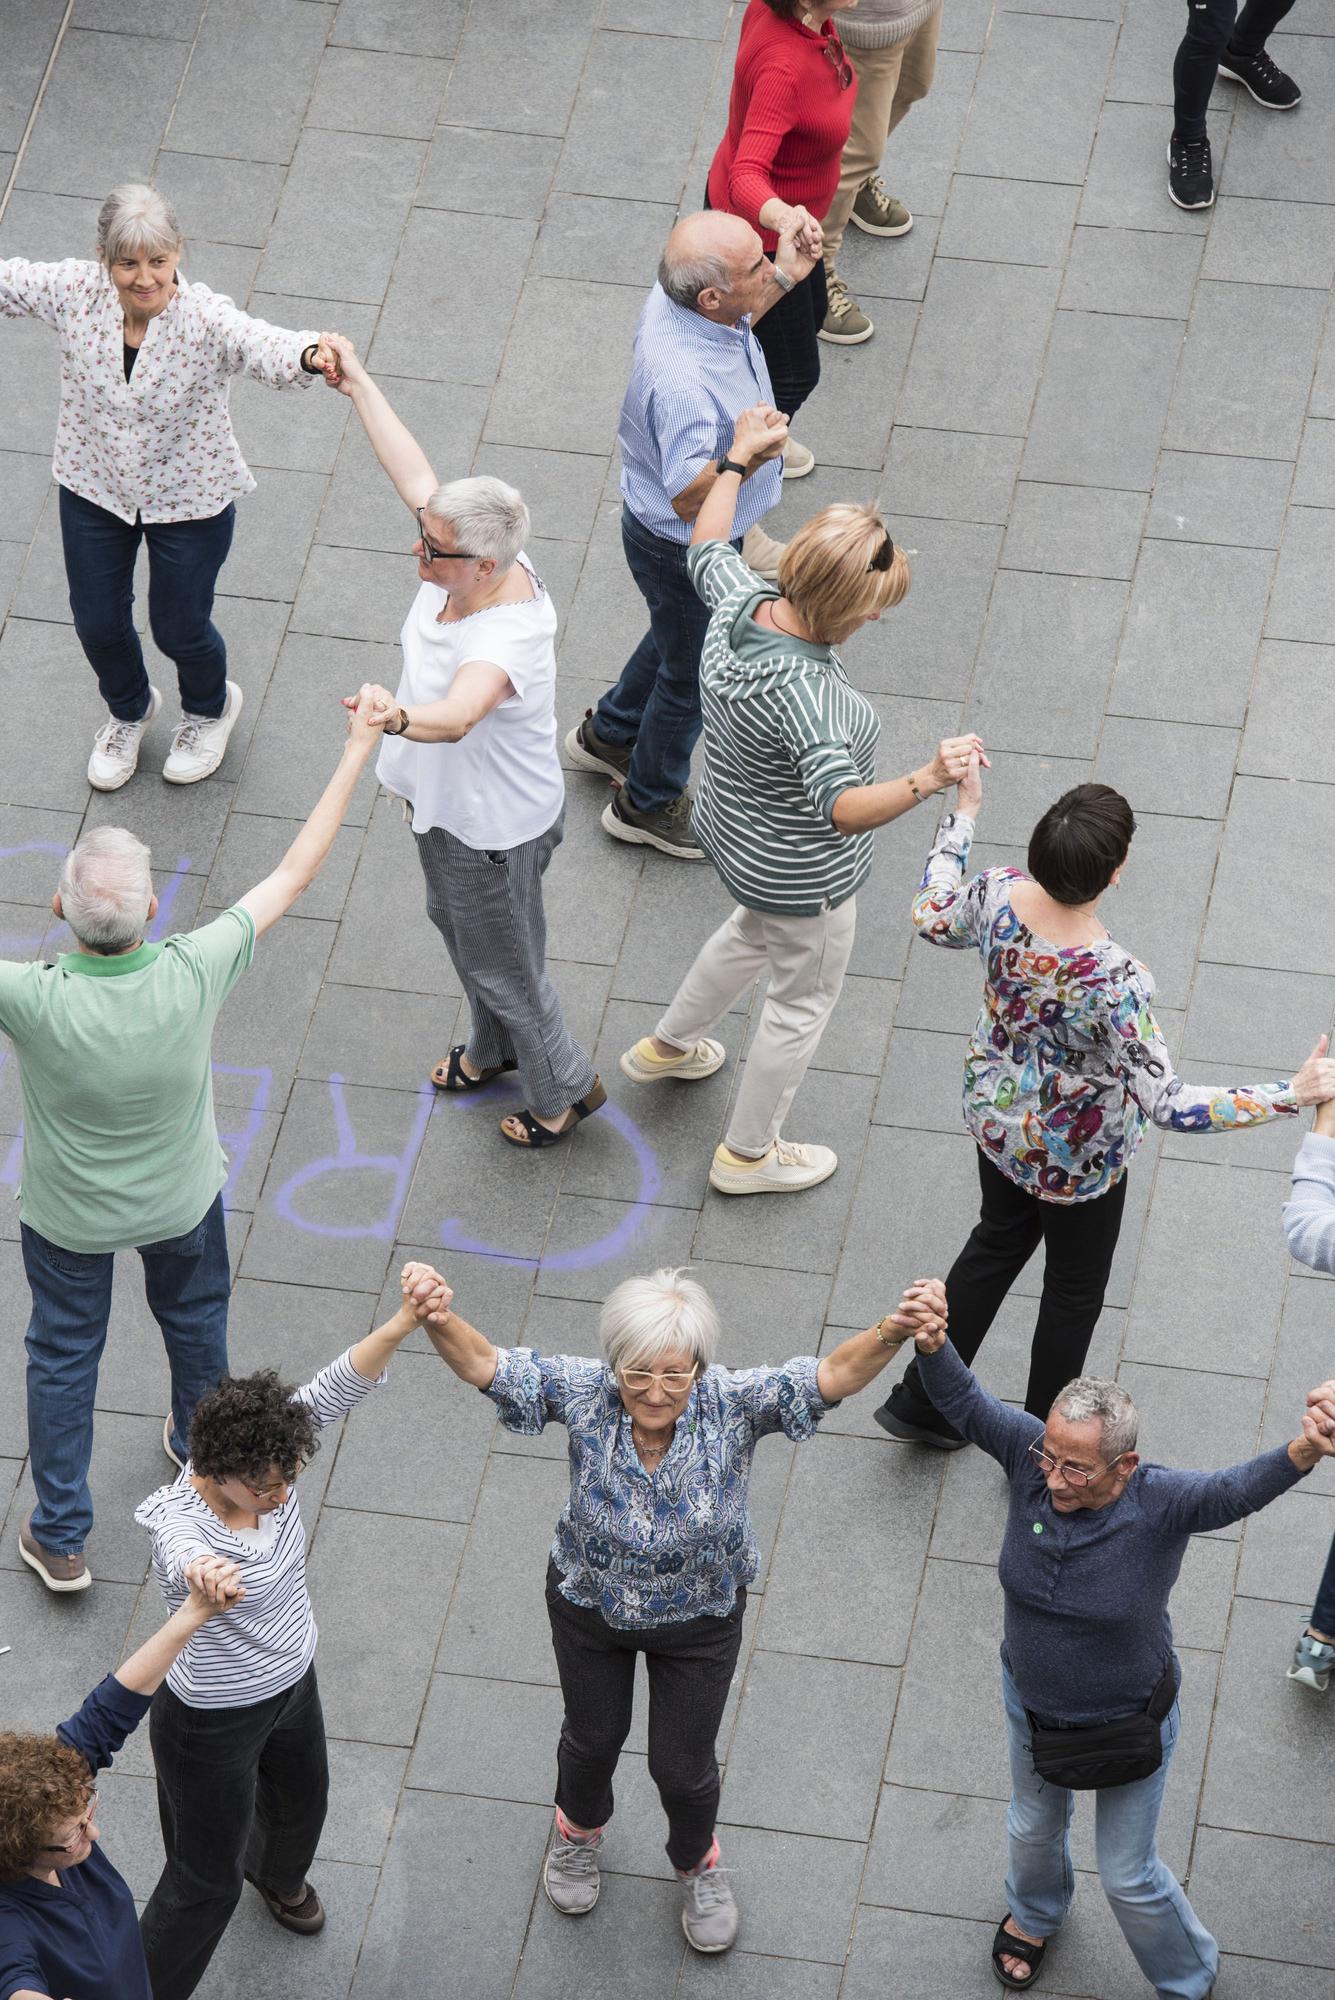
(587,749)
(668,828)
(59,1573)
(305,1916)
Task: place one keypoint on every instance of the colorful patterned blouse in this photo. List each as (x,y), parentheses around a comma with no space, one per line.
(655,1548)
(1066,1063)
(160,445)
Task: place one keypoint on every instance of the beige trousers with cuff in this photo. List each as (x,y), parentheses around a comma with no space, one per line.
(890,82)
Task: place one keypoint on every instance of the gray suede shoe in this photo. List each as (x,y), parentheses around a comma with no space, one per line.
(570,1875)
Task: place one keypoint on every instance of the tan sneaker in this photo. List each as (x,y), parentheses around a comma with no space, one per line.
(797,460)
(762,553)
(845,324)
(877,211)
(58,1573)
(787,1168)
(643,1064)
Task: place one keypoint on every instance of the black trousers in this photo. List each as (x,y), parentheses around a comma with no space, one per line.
(787,336)
(1079,1239)
(241,1791)
(690,1669)
(1212,27)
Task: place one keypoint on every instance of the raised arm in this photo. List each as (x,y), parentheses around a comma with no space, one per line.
(1199,1502)
(1309,1214)
(469,1353)
(269,354)
(759,433)
(1141,1056)
(860,808)
(392,442)
(274,896)
(859,1360)
(1005,1434)
(477,688)
(214,1584)
(370,1357)
(31,291)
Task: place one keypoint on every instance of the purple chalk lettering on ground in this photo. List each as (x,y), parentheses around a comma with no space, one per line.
(349,1160)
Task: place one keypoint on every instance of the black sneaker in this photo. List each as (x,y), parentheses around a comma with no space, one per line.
(587,749)
(1263,78)
(668,828)
(905,1432)
(1190,173)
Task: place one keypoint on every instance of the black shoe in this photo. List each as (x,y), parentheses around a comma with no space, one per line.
(907,1433)
(1263,78)
(1190,173)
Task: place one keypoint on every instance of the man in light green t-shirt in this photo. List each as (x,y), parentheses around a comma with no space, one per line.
(120,1144)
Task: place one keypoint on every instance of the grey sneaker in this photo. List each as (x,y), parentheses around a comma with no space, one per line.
(708,1910)
(1313,1663)
(570,1875)
(588,750)
(668,828)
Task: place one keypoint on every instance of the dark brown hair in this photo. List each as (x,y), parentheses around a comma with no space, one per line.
(1080,842)
(248,1426)
(43,1783)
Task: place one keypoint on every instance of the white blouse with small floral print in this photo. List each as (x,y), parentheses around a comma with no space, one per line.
(161,445)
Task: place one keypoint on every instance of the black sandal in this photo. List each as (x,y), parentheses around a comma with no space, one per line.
(1006,1945)
(456,1077)
(538,1136)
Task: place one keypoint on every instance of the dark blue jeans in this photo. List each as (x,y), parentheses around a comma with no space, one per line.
(187,1280)
(656,703)
(184,558)
(1212,27)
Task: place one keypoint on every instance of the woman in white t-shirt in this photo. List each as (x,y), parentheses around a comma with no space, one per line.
(473,753)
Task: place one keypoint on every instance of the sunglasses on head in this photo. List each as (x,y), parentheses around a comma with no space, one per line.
(884,556)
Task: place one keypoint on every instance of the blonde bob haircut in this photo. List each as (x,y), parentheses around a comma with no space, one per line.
(831,572)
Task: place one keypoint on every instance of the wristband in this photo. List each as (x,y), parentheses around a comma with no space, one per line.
(306,369)
(878,1330)
(403,724)
(782,280)
(918,797)
(730,465)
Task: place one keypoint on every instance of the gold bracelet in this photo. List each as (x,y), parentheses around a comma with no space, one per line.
(877,1330)
(919,798)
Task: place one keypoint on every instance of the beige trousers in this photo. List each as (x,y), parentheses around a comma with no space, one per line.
(890,81)
(806,958)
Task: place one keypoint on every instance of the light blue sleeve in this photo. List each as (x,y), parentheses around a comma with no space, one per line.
(776,1399)
(1309,1215)
(531,1390)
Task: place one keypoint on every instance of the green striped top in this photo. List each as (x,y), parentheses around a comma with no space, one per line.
(785,733)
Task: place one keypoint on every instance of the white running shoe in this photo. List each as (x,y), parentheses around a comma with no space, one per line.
(200,740)
(115,755)
(787,1168)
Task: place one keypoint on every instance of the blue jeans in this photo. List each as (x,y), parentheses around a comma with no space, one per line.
(656,703)
(184,558)
(187,1280)
(1173,1950)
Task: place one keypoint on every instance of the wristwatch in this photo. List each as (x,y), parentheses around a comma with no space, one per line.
(403,719)
(782,279)
(731,465)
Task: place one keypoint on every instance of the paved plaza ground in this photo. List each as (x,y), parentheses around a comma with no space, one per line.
(1107,429)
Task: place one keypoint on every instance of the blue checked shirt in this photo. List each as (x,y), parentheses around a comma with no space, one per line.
(655,1548)
(690,380)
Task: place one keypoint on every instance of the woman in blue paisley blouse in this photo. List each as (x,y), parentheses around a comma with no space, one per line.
(1065,1068)
(654,1548)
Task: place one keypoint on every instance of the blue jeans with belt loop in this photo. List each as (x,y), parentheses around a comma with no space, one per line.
(1171,1946)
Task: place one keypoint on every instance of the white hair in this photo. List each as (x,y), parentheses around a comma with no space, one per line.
(488,517)
(1085,1398)
(136,218)
(645,1319)
(106,888)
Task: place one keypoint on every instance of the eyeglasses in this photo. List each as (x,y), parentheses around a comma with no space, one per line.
(432,554)
(676,1381)
(68,1846)
(884,556)
(269,1492)
(1074,1475)
(834,49)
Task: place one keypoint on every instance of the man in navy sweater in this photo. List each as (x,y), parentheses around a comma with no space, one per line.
(1094,1541)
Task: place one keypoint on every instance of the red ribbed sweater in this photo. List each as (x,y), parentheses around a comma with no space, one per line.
(788,121)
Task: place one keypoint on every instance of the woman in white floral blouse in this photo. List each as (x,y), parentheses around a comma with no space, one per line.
(145,451)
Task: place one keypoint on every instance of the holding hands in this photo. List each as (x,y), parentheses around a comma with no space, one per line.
(367,715)
(343,369)
(425,1294)
(958,761)
(922,1314)
(215,1583)
(1314,1083)
(1319,1419)
(759,433)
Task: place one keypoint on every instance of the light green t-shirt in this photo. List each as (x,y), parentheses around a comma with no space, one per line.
(120,1145)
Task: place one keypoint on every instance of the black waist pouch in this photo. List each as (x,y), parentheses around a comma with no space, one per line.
(1111,1753)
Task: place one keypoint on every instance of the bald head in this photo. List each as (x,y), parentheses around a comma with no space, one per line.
(707,252)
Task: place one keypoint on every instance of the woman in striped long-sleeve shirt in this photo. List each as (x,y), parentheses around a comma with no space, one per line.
(786,810)
(237,1732)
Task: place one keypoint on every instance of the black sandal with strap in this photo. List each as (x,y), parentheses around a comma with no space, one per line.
(456,1077)
(538,1136)
(1007,1945)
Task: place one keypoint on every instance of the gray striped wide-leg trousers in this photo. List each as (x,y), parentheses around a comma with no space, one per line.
(487,905)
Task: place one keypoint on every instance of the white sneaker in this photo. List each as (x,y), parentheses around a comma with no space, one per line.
(643,1064)
(115,755)
(200,740)
(798,460)
(785,1169)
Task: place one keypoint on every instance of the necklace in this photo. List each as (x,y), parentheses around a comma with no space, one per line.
(644,1447)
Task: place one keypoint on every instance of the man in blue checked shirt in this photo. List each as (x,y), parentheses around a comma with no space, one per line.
(697,365)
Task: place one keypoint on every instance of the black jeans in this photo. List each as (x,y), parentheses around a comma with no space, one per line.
(241,1791)
(1079,1239)
(1212,27)
(787,336)
(1323,1611)
(690,1669)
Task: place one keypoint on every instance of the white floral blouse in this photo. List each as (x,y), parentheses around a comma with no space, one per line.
(161,445)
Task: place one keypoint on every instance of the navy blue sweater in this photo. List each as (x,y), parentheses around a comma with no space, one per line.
(81,1939)
(1087,1628)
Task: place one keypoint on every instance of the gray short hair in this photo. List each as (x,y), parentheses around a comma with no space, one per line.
(136,217)
(1085,1398)
(685,280)
(646,1318)
(488,517)
(106,888)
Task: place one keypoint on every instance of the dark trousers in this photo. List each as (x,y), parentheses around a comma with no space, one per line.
(241,1791)
(1323,1611)
(656,703)
(787,336)
(1079,1239)
(184,558)
(1212,27)
(690,1668)
(187,1282)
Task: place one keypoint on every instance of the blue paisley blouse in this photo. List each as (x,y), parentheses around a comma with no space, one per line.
(655,1548)
(1066,1064)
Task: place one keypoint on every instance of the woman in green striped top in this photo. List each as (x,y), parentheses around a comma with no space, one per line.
(786,809)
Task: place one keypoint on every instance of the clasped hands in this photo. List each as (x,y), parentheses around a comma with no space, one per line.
(425,1294)
(1319,1419)
(215,1583)
(760,433)
(922,1315)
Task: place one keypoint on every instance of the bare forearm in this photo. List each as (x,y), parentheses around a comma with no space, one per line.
(394,445)
(858,1360)
(309,850)
(371,1356)
(146,1669)
(469,1353)
(436,722)
(713,523)
(863,807)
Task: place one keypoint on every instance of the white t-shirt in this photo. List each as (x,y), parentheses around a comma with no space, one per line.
(501,784)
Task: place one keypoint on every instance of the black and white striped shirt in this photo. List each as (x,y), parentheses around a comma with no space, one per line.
(785,733)
(265,1643)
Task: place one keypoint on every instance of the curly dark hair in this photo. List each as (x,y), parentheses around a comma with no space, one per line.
(248,1427)
(43,1784)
